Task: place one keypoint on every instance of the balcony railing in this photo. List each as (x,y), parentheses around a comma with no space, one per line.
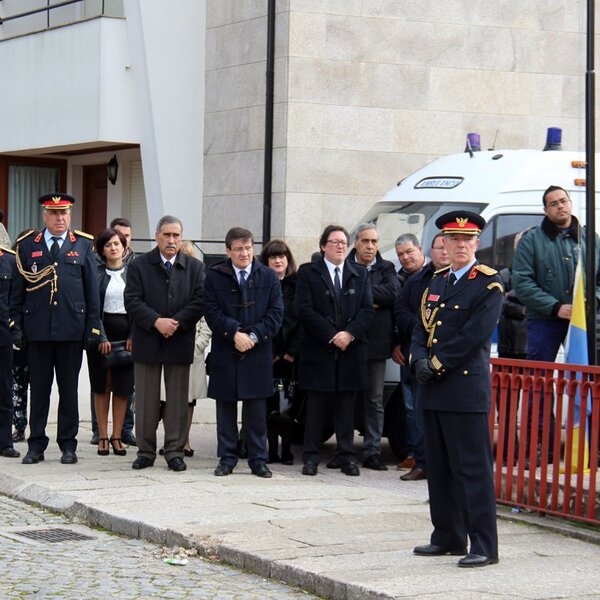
(555,473)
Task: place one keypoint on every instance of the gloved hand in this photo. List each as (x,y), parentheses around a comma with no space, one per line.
(424,371)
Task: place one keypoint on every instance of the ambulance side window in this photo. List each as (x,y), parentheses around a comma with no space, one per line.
(496,245)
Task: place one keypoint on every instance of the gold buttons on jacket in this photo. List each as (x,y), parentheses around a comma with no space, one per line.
(439,323)
(465,372)
(456,307)
(434,341)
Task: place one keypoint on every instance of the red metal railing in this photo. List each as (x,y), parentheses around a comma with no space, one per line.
(550,473)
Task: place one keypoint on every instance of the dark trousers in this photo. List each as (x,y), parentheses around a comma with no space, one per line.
(6,404)
(148,410)
(44,359)
(544,337)
(460,477)
(505,457)
(341,405)
(254,422)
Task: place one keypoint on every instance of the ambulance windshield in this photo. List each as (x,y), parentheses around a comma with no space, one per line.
(396,218)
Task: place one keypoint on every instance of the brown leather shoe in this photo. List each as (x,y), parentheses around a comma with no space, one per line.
(407,463)
(414,475)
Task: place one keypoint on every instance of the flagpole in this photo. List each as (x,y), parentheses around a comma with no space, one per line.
(590,190)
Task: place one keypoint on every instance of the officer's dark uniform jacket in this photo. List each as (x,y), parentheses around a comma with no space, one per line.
(8,276)
(454,330)
(57,301)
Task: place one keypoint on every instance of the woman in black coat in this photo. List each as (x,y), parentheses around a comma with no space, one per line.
(277,255)
(118,380)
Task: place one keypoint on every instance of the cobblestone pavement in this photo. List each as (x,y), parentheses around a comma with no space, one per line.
(109,566)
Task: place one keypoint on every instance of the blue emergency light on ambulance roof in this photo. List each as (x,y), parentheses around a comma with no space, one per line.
(553,139)
(473,143)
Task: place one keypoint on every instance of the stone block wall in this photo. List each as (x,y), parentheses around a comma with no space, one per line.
(367,91)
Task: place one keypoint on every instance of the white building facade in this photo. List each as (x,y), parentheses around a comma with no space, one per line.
(365,92)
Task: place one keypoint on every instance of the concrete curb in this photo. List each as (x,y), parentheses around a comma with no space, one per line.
(209,548)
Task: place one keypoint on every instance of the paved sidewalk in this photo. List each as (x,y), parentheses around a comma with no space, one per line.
(333,535)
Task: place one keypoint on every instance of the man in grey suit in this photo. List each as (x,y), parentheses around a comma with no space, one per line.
(163,298)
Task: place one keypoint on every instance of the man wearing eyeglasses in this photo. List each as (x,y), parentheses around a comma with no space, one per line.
(543,276)
(335,310)
(243,307)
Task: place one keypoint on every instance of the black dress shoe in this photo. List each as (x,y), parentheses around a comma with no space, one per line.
(177,464)
(476,560)
(415,474)
(68,457)
(223,469)
(334,463)
(32,457)
(95,438)
(128,438)
(10,452)
(262,470)
(310,468)
(351,469)
(374,462)
(142,462)
(433,550)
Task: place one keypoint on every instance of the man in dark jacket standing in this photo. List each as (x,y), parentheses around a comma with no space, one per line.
(543,276)
(406,313)
(163,297)
(244,310)
(57,306)
(384,287)
(8,331)
(450,355)
(335,308)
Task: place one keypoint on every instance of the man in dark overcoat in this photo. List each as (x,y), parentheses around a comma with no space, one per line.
(385,286)
(450,356)
(407,310)
(244,310)
(8,331)
(335,309)
(57,306)
(163,298)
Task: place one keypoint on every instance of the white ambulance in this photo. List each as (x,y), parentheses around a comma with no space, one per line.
(504,186)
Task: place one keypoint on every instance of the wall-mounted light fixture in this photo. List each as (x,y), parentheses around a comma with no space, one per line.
(112,169)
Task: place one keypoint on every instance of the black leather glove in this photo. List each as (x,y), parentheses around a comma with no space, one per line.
(424,371)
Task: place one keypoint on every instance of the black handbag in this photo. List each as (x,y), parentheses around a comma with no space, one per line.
(118,356)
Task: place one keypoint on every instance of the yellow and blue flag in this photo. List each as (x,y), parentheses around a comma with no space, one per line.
(577,354)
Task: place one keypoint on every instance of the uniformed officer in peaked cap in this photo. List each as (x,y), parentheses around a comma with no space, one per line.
(56,304)
(450,356)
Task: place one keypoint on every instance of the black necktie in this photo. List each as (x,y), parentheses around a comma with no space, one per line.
(168,266)
(450,281)
(54,248)
(337,286)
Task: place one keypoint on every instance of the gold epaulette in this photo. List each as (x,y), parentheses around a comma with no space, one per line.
(83,234)
(442,270)
(486,270)
(5,249)
(25,234)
